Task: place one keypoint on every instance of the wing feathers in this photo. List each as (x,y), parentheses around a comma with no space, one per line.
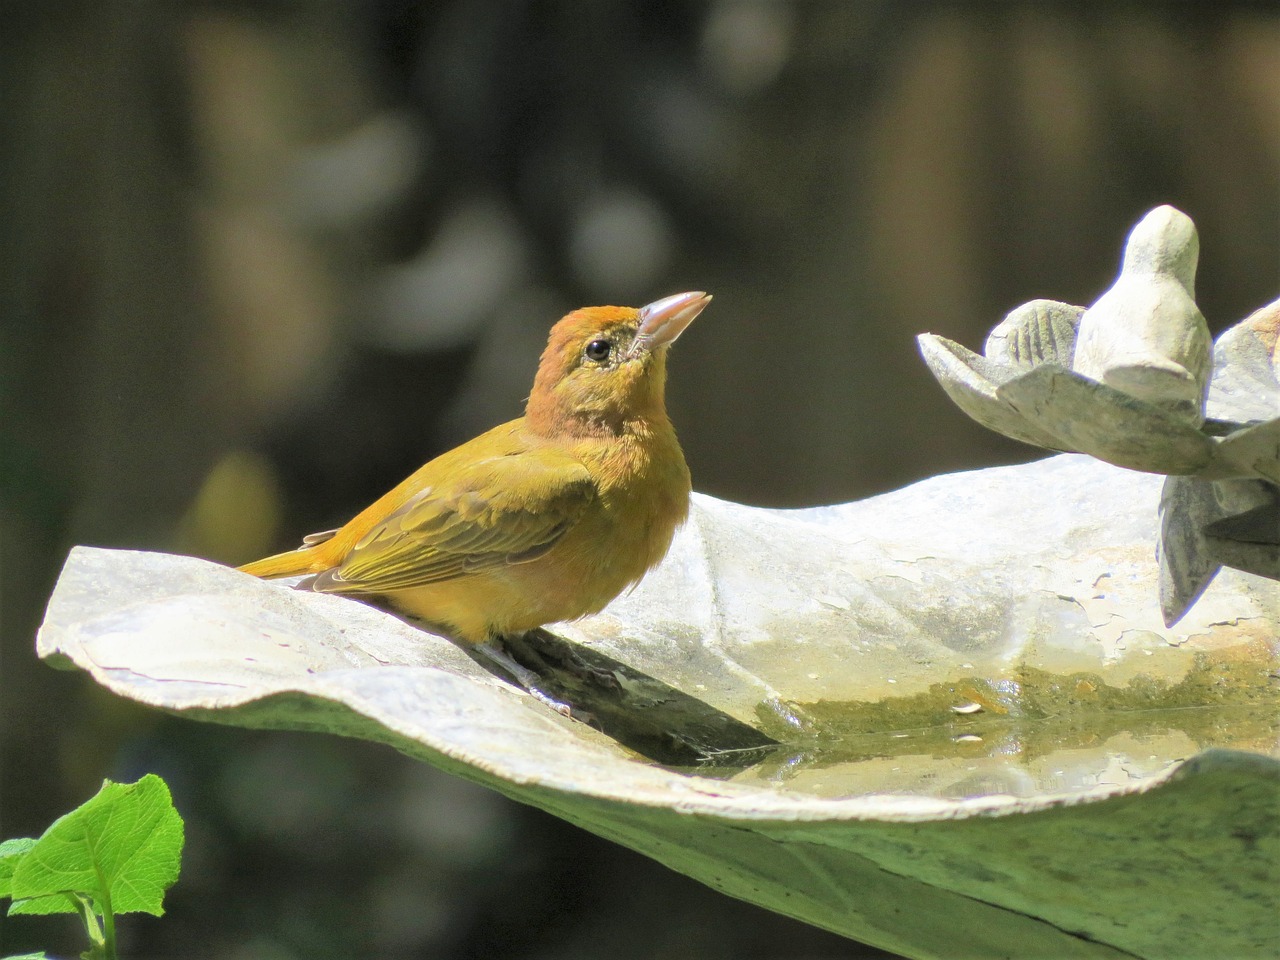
(498,511)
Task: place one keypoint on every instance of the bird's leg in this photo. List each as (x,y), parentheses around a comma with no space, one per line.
(493,650)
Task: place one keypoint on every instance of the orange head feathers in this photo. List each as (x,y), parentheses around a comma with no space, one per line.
(545,518)
(604,366)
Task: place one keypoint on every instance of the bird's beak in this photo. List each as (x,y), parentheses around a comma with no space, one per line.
(662,321)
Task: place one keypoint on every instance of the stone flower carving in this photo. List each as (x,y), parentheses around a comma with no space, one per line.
(1136,381)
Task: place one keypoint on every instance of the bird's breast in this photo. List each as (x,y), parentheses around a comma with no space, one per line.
(643,497)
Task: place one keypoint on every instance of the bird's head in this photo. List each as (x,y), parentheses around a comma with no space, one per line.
(605,367)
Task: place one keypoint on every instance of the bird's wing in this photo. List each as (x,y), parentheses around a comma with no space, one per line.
(496,511)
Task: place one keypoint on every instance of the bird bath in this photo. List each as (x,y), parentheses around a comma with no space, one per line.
(974,717)
(1113,796)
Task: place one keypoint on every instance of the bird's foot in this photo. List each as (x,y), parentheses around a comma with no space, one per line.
(493,651)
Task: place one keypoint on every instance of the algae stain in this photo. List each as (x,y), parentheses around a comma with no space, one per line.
(1030,694)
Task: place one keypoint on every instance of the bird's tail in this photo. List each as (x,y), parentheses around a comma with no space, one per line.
(295,563)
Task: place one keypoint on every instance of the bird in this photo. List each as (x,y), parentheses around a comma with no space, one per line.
(1145,336)
(545,518)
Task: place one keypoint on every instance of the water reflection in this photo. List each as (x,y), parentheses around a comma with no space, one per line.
(981,755)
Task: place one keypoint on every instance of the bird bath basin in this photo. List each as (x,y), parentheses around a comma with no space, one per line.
(1114,794)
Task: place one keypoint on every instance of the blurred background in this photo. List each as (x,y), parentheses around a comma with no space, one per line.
(261,258)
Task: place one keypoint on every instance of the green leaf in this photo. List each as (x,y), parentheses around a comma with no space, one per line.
(121,848)
(12,851)
(38,955)
(11,854)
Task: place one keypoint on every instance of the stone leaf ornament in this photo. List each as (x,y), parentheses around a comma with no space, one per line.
(1136,381)
(947,721)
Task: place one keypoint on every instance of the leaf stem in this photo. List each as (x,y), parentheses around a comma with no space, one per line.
(108,925)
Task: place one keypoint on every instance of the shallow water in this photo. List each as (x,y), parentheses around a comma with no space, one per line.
(984,754)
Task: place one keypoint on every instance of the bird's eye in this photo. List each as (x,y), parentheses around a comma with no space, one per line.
(598,350)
